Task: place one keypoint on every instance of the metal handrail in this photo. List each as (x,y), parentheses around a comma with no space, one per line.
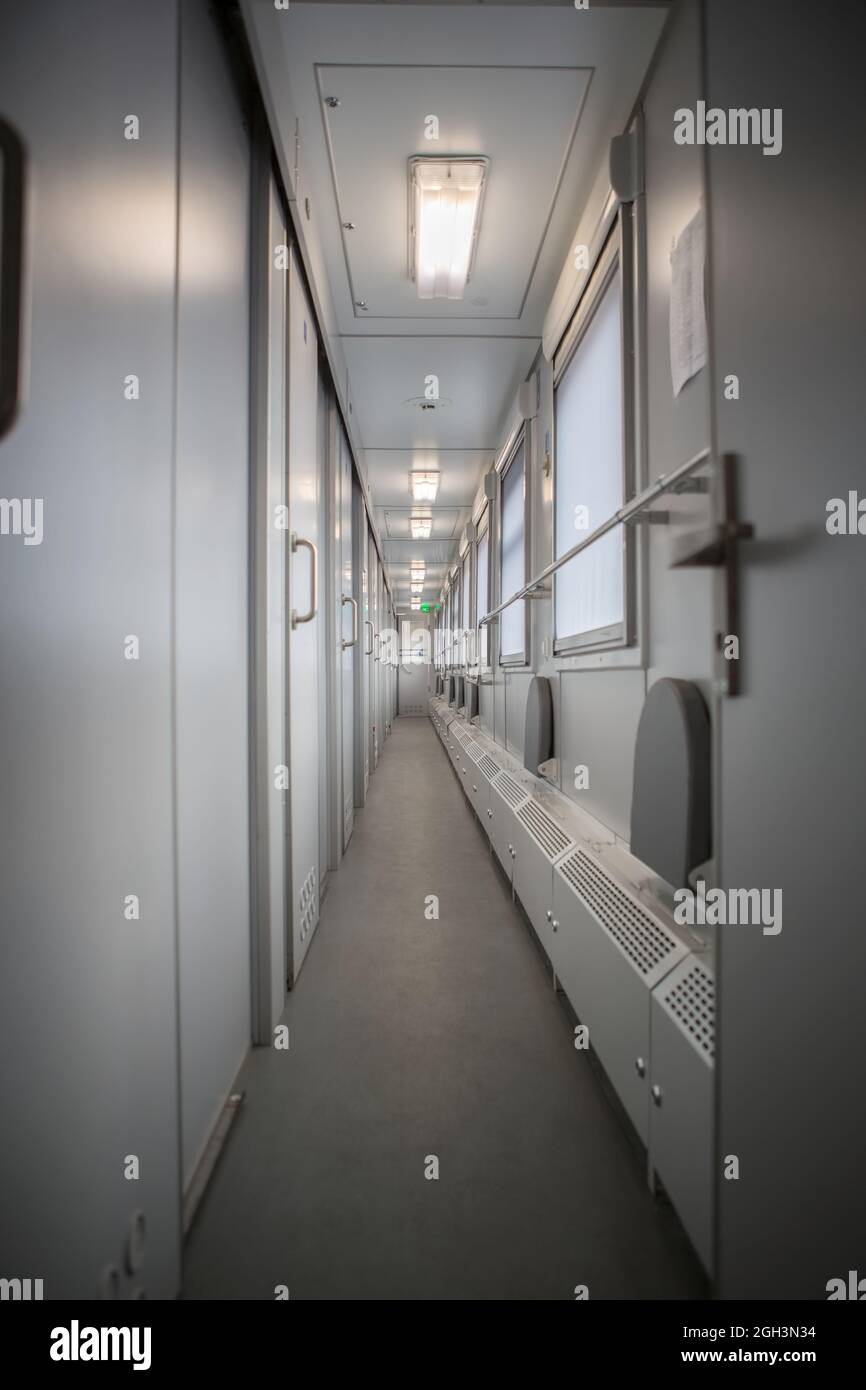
(638,504)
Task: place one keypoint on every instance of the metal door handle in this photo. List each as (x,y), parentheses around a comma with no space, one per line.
(376,638)
(297,542)
(12,163)
(354,602)
(368,651)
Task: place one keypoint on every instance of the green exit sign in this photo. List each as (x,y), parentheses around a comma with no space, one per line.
(425,608)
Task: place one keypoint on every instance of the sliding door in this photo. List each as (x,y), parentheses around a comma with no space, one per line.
(349,622)
(303,603)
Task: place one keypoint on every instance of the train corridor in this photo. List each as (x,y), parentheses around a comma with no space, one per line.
(421,1044)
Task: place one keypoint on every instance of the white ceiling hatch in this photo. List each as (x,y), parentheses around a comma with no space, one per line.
(380,123)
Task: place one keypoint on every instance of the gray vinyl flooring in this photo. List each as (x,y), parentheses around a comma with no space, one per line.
(413,1038)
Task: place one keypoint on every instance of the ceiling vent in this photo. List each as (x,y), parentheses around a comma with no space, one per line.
(422,403)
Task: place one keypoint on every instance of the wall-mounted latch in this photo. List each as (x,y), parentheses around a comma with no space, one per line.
(550,770)
(717,547)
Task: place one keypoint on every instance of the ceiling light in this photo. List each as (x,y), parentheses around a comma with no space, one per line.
(424,486)
(444,216)
(416,588)
(420,527)
(415,603)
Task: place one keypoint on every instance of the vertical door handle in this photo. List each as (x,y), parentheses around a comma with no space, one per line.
(297,543)
(368,651)
(12,165)
(354,602)
(376,638)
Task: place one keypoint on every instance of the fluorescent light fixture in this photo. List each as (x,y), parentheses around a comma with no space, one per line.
(416,588)
(416,603)
(444,215)
(420,527)
(424,486)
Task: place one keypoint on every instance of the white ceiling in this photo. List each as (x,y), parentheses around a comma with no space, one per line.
(537,88)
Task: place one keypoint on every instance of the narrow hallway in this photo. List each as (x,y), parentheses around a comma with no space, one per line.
(409,1038)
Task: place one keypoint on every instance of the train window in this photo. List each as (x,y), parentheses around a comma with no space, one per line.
(512,556)
(590,472)
(465,609)
(482,567)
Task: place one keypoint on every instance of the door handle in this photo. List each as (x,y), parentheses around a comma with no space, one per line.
(354,602)
(12,162)
(376,638)
(297,542)
(368,651)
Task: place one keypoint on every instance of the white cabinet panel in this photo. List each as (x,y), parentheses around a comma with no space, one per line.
(681,1113)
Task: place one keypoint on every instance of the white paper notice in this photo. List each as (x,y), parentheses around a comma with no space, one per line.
(688,321)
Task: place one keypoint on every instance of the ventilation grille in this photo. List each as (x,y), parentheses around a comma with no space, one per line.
(509,790)
(308,903)
(475,751)
(639,936)
(690,998)
(544,831)
(488,766)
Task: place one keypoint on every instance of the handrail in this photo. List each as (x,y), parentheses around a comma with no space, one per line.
(663,484)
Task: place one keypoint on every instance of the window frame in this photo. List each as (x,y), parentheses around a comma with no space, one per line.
(466,592)
(615,260)
(482,532)
(512,660)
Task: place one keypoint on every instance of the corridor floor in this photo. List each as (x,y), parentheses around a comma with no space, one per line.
(413,1039)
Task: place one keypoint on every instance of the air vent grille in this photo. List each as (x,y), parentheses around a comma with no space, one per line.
(488,766)
(544,831)
(475,751)
(641,938)
(690,998)
(509,790)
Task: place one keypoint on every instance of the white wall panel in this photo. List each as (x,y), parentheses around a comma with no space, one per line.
(87,997)
(211,604)
(599,713)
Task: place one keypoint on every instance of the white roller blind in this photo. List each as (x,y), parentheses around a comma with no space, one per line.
(589,474)
(512,560)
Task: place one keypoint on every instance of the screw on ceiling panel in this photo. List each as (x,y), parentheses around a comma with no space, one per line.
(333,102)
(349,226)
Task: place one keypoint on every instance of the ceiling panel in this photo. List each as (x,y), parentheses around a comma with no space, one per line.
(522,118)
(478,378)
(446,521)
(460,473)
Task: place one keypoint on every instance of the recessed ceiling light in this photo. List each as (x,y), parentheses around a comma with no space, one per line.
(424,486)
(416,588)
(415,603)
(420,527)
(444,217)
